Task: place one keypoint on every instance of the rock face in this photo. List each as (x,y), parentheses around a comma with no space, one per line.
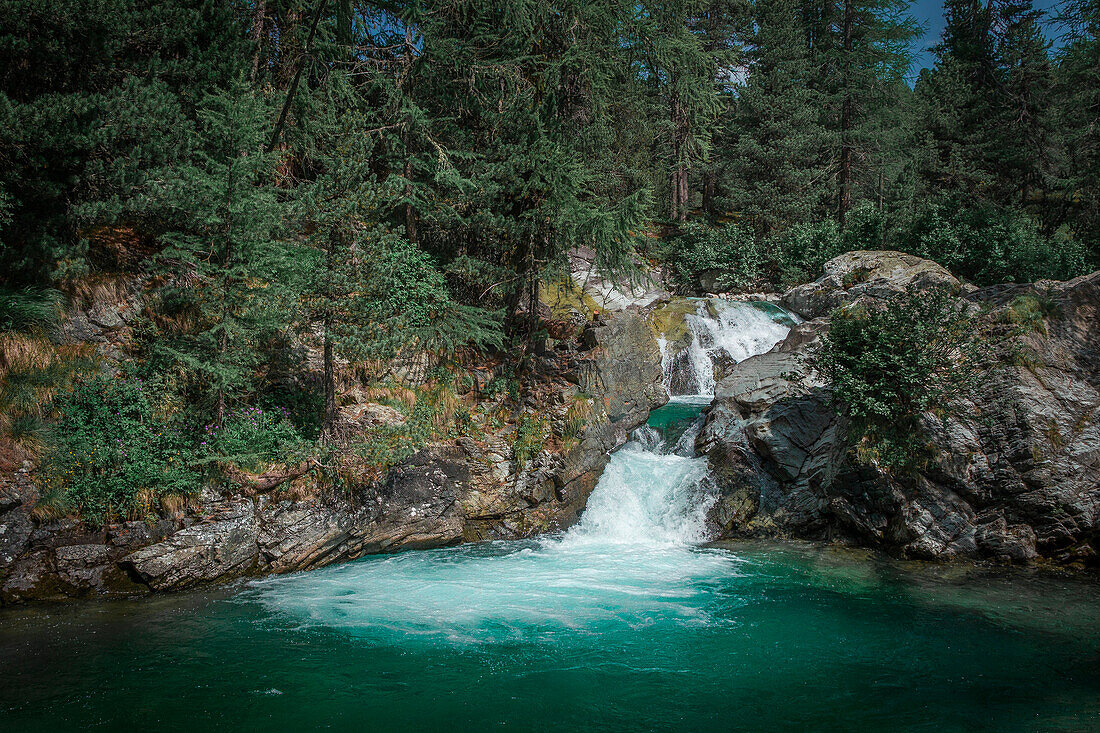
(862,274)
(1016,468)
(619,382)
(443,495)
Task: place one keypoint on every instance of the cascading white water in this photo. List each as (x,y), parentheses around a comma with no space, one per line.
(632,559)
(724,330)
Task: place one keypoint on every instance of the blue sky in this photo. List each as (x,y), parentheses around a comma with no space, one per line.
(930,13)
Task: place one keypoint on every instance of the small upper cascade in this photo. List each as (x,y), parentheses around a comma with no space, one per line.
(720,333)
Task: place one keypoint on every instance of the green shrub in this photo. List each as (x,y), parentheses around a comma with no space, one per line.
(887,365)
(531,434)
(737,258)
(1030,313)
(801,251)
(987,245)
(111,453)
(252,438)
(864,228)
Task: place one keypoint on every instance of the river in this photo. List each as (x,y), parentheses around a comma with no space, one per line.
(627,621)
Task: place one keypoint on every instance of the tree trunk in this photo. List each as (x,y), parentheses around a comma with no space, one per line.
(685,199)
(227,258)
(406,138)
(328,425)
(674,198)
(845,180)
(344,19)
(710,183)
(678,182)
(410,211)
(257,36)
(297,78)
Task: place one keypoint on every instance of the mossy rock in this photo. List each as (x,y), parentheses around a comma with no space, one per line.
(565,298)
(669,321)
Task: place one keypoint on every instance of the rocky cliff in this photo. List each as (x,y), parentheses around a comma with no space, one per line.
(470,489)
(1015,472)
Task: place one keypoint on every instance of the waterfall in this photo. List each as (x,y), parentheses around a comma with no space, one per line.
(721,333)
(632,560)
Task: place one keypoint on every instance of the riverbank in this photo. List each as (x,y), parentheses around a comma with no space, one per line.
(786,635)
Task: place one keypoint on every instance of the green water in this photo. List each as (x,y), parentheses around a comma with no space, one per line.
(797,638)
(675,418)
(625,622)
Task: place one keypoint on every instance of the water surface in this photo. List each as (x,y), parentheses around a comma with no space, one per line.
(628,621)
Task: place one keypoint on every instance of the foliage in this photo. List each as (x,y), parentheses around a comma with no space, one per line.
(886,366)
(803,249)
(402,180)
(988,245)
(730,251)
(435,414)
(222,227)
(252,438)
(530,437)
(28,309)
(1030,312)
(112,448)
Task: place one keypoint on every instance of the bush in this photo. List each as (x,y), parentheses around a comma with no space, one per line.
(887,365)
(987,245)
(111,453)
(252,438)
(802,250)
(732,258)
(729,254)
(530,437)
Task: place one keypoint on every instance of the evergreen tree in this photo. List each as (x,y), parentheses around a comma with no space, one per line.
(958,99)
(779,156)
(986,116)
(1078,109)
(1023,161)
(872,59)
(513,85)
(220,251)
(685,48)
(365,290)
(93,95)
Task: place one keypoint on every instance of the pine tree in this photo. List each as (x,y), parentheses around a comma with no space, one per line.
(872,57)
(1077,110)
(513,86)
(986,115)
(779,157)
(92,96)
(958,97)
(220,250)
(1023,161)
(685,47)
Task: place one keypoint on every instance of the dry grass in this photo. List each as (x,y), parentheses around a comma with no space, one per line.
(23,351)
(121,247)
(173,504)
(145,501)
(297,491)
(391,395)
(52,504)
(446,405)
(32,370)
(99,288)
